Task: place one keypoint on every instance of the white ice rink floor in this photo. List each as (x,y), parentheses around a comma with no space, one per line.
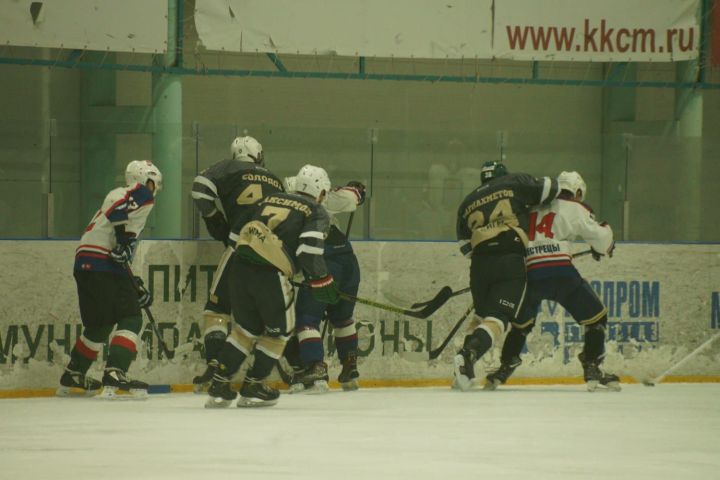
(671,431)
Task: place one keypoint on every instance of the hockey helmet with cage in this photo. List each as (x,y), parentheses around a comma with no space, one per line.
(491,170)
(312,180)
(140,171)
(247,149)
(572,182)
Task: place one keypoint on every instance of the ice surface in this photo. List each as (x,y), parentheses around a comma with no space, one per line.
(545,432)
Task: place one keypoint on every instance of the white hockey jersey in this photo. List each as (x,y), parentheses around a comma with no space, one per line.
(552,228)
(129,206)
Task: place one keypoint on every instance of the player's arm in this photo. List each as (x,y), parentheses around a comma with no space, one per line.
(536,190)
(598,235)
(205,196)
(463,232)
(311,244)
(345,199)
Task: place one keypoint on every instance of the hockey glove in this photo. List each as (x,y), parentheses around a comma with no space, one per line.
(611,250)
(359,189)
(325,290)
(217,227)
(145,298)
(123,251)
(597,256)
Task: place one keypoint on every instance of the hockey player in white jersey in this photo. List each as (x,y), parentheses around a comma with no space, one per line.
(552,276)
(304,351)
(107,297)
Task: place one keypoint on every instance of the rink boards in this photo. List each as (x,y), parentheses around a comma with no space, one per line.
(663,302)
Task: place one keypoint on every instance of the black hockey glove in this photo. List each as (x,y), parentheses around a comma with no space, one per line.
(325,290)
(597,256)
(125,246)
(359,190)
(217,227)
(145,298)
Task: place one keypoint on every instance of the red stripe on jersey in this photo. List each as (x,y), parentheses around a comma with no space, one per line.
(92,255)
(114,205)
(561,263)
(97,247)
(85,351)
(124,342)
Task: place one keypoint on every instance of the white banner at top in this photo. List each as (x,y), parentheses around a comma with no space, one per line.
(107,25)
(381,28)
(598,31)
(562,30)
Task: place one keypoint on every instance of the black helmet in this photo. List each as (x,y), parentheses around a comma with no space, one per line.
(492,170)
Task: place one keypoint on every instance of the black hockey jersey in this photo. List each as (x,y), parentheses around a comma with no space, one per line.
(299,223)
(495,215)
(236,185)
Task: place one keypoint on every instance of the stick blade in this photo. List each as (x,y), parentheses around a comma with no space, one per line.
(445,292)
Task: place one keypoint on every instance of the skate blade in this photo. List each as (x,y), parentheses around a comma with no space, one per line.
(592,385)
(71,392)
(251,402)
(213,402)
(613,386)
(200,387)
(318,387)
(350,386)
(491,385)
(461,381)
(296,388)
(115,394)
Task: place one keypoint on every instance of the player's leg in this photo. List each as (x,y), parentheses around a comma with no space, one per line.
(275,301)
(247,328)
(124,341)
(96,329)
(216,321)
(309,313)
(341,316)
(587,309)
(498,286)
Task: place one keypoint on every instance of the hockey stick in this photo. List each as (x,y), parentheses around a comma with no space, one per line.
(163,346)
(423,313)
(687,358)
(349,225)
(446,293)
(433,354)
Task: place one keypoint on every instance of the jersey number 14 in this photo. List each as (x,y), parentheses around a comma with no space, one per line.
(544,226)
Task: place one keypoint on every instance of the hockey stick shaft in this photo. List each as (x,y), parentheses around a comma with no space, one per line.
(446,292)
(424,313)
(684,360)
(433,354)
(163,346)
(349,225)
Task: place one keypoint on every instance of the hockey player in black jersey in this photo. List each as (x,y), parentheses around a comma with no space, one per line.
(224,194)
(285,235)
(492,223)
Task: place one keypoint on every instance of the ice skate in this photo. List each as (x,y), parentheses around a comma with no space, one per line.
(349,374)
(220,393)
(464,371)
(314,379)
(117,386)
(76,384)
(255,393)
(595,377)
(501,375)
(201,383)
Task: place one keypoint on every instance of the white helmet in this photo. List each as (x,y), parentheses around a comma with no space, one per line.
(312,180)
(140,171)
(247,149)
(572,182)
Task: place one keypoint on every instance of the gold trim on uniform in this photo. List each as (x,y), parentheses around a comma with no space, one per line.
(594,319)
